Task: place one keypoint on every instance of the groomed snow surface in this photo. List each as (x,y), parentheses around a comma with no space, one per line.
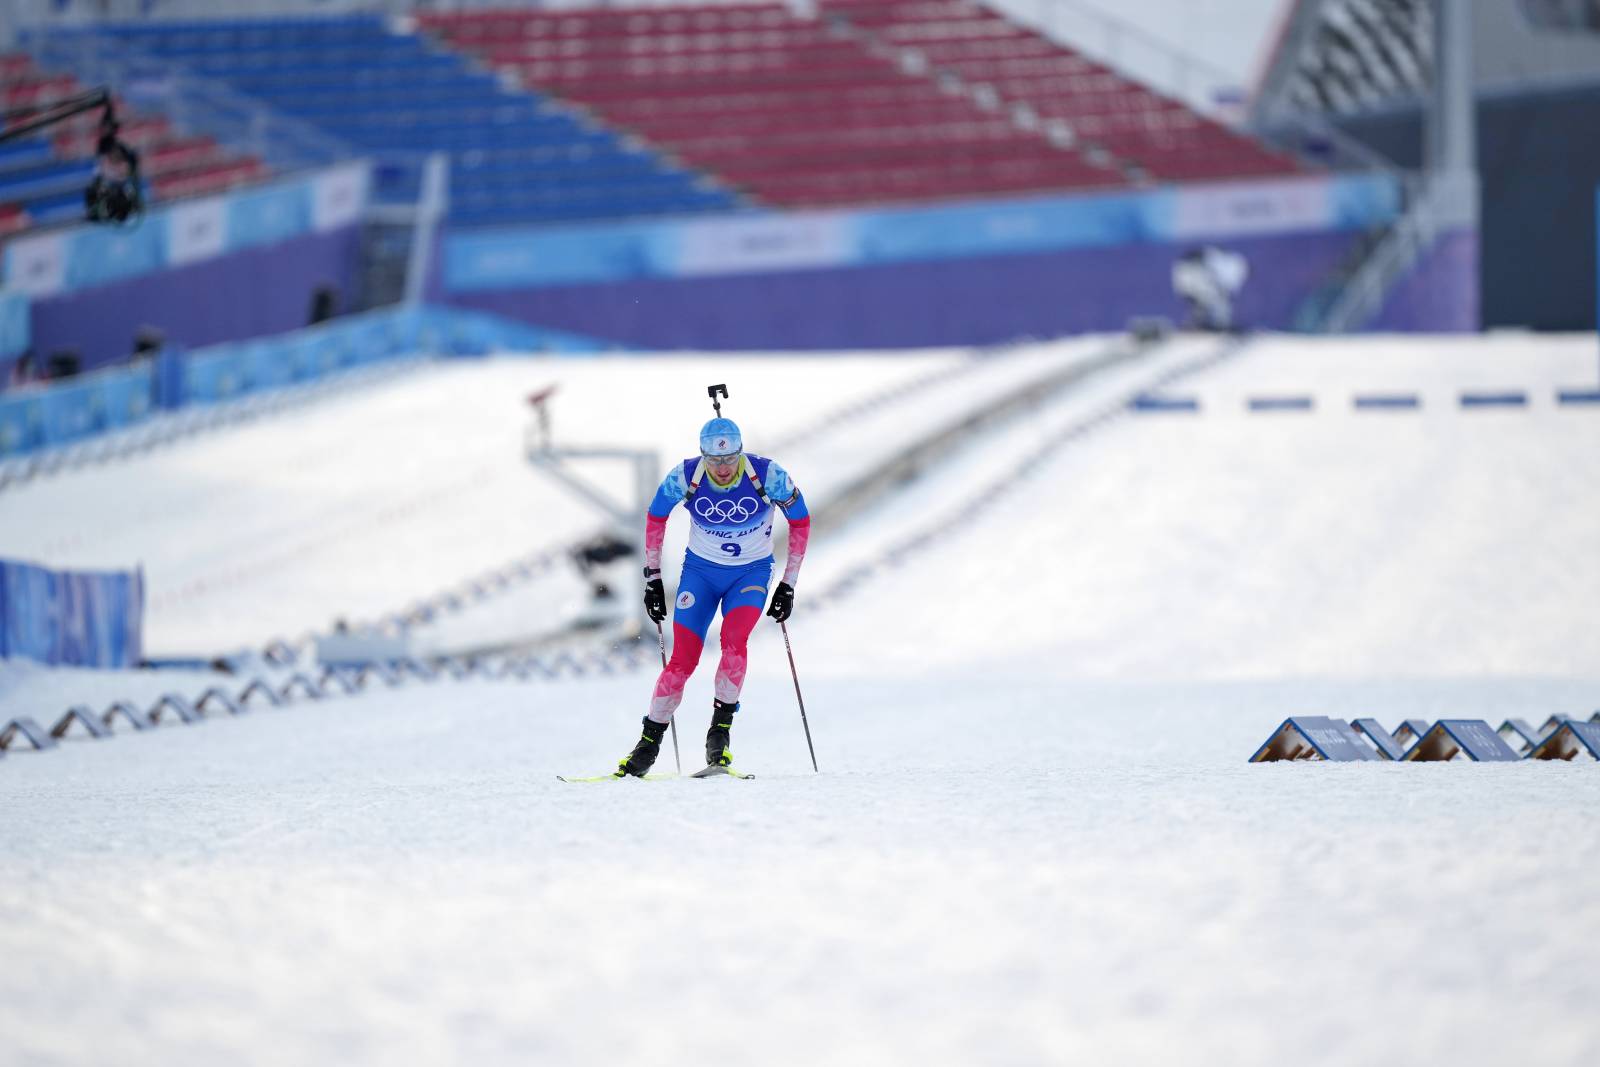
(1035,838)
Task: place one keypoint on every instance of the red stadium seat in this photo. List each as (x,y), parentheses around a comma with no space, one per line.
(968,40)
(789,109)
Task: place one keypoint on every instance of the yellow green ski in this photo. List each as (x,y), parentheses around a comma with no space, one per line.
(714,771)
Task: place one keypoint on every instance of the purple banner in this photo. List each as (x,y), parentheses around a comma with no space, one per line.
(1440,295)
(232,297)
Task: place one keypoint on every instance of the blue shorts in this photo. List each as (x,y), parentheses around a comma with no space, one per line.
(704,586)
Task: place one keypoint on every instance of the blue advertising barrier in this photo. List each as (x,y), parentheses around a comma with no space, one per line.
(1568,741)
(185,233)
(1381,739)
(534,257)
(46,416)
(69,411)
(1474,738)
(74,618)
(1314,737)
(913,277)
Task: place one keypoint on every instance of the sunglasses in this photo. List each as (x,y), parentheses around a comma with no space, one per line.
(723,461)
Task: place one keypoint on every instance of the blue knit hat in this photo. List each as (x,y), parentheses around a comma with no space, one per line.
(720,437)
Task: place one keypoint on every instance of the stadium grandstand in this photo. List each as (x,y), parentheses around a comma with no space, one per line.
(607,112)
(865,147)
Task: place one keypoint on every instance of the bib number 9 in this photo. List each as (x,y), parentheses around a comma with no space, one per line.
(730,548)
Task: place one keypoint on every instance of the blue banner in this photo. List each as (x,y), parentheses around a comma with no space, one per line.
(99,254)
(71,618)
(268,214)
(984,229)
(549,256)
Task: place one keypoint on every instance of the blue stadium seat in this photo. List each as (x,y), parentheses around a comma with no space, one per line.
(39,179)
(23,153)
(57,207)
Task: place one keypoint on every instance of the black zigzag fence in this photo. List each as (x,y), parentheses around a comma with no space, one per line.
(330,683)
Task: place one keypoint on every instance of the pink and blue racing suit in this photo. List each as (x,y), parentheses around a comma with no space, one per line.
(728,565)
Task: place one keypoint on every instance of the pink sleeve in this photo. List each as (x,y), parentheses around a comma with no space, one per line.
(799,534)
(655,532)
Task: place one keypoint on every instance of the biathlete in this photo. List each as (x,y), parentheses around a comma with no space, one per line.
(730,495)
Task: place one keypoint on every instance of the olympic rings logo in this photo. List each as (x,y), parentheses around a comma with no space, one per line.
(741,509)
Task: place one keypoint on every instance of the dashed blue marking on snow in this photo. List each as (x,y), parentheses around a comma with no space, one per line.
(1146,402)
(1280,403)
(1573,397)
(1510,398)
(1387,401)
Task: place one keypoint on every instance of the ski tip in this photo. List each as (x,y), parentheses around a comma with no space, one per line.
(719,771)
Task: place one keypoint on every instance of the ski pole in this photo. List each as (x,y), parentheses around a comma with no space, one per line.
(661,639)
(796,676)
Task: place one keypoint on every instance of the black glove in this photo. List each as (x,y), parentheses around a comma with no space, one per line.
(782,602)
(655,600)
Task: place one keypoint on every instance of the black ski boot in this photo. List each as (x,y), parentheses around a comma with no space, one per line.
(644,754)
(717,753)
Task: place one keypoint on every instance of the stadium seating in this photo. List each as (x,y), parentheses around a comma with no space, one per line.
(42,176)
(515,156)
(657,110)
(1162,138)
(790,110)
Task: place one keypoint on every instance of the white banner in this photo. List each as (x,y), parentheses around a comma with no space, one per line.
(775,243)
(37,266)
(339,198)
(1256,207)
(197,230)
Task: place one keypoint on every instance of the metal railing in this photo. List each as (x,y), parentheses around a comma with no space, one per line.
(1363,293)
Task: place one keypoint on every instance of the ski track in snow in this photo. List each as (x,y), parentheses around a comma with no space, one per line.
(1035,838)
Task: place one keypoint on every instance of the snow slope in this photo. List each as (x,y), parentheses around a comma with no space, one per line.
(1336,543)
(356,508)
(360,508)
(1035,838)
